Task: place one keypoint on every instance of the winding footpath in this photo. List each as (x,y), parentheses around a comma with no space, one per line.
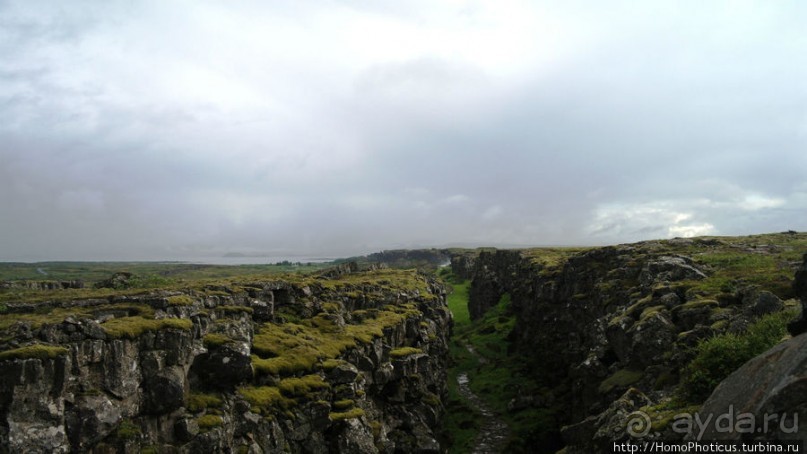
(493,431)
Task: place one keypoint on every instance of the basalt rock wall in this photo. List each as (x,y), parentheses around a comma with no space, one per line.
(594,326)
(355,363)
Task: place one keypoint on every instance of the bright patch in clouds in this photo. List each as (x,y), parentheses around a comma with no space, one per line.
(655,219)
(756,202)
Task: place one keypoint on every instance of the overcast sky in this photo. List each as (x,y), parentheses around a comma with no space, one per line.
(170,130)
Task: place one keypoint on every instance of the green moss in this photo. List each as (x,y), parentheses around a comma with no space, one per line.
(350,414)
(304,386)
(208,422)
(551,258)
(331,364)
(201,401)
(213,340)
(285,365)
(404,352)
(133,327)
(620,379)
(37,351)
(699,303)
(663,414)
(290,348)
(343,404)
(179,300)
(127,430)
(375,427)
(266,399)
(47,315)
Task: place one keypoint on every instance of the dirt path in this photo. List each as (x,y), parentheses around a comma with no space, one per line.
(493,431)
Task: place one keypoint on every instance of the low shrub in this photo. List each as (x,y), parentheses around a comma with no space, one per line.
(717,357)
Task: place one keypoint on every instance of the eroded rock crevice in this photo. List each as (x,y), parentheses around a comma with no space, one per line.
(608,331)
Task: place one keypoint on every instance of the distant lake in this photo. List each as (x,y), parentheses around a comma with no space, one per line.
(249,260)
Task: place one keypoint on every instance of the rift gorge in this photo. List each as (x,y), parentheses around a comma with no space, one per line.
(567,350)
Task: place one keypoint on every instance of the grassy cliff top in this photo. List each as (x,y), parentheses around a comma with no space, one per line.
(236,280)
(767,260)
(134,309)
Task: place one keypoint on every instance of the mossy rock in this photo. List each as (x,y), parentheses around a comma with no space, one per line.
(36,351)
(215,340)
(650,311)
(350,414)
(179,300)
(208,422)
(304,386)
(266,399)
(699,303)
(227,309)
(202,401)
(127,430)
(403,352)
(620,379)
(134,327)
(331,364)
(343,404)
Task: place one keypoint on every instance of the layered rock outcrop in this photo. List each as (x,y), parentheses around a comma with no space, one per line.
(350,362)
(609,330)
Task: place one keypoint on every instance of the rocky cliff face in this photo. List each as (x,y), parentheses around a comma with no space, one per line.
(595,326)
(345,362)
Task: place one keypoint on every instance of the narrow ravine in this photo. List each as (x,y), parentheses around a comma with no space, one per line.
(493,431)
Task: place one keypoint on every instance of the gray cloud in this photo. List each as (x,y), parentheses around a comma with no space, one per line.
(151,130)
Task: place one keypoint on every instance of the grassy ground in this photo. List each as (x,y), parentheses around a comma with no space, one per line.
(461,423)
(497,378)
(158,271)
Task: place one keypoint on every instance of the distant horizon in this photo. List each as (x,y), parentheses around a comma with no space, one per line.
(256,258)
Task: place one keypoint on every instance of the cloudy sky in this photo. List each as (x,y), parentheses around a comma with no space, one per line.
(171,130)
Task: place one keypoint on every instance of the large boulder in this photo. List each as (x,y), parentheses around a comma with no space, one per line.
(224,366)
(618,423)
(90,419)
(669,269)
(778,379)
(165,391)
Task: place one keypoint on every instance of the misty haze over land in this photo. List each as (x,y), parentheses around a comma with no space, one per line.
(174,130)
